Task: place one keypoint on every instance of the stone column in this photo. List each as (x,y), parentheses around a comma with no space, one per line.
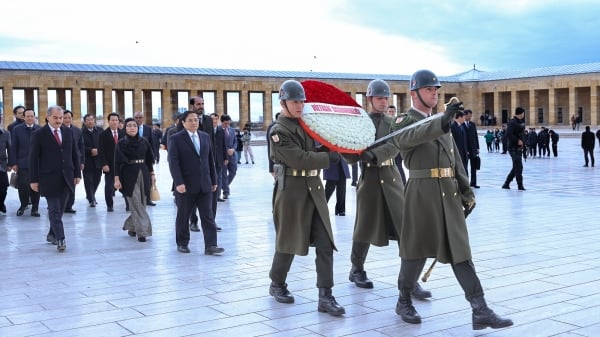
(7,99)
(532,108)
(552,103)
(137,100)
(42,105)
(497,111)
(594,113)
(572,102)
(106,104)
(76,106)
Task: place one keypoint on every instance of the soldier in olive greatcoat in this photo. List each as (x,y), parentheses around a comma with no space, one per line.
(300,211)
(380,193)
(438,198)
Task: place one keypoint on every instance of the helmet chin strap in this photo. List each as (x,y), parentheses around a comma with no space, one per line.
(421,99)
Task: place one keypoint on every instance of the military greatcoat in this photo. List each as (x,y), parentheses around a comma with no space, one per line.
(434,222)
(380,193)
(301,196)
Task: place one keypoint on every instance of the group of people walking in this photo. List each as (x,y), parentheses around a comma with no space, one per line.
(423,226)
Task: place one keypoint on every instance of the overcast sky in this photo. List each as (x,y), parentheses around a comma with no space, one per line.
(352,36)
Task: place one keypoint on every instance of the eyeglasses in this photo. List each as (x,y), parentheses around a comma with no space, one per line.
(131,125)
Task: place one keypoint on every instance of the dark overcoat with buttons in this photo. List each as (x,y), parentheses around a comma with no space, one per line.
(380,193)
(434,223)
(301,197)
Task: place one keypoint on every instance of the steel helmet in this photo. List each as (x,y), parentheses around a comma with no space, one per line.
(292,90)
(378,88)
(423,78)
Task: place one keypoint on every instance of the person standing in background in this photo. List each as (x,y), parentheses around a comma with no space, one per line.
(18,160)
(472,147)
(92,169)
(106,155)
(230,169)
(4,168)
(554,138)
(246,137)
(77,133)
(335,177)
(515,133)
(587,144)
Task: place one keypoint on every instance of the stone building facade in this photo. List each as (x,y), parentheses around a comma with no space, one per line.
(550,95)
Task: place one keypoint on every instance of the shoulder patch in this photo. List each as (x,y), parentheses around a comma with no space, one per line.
(275,138)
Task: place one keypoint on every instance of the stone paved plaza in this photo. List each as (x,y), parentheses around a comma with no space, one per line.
(537,253)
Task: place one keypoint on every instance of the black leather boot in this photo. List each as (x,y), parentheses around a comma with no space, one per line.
(420,293)
(506,186)
(484,317)
(405,309)
(328,304)
(280,292)
(359,277)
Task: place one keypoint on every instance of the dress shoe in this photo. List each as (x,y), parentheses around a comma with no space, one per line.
(20,211)
(61,246)
(218,229)
(420,293)
(521,188)
(194,227)
(183,249)
(225,196)
(142,239)
(354,184)
(150,203)
(280,292)
(220,199)
(212,250)
(475,186)
(3,208)
(328,304)
(131,233)
(341,213)
(35,213)
(50,238)
(70,210)
(506,187)
(359,277)
(92,204)
(110,209)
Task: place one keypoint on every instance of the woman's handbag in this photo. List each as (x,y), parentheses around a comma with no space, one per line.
(13,179)
(154,193)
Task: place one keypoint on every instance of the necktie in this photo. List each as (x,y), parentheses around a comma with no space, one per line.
(141,132)
(227,133)
(115,137)
(57,137)
(196,143)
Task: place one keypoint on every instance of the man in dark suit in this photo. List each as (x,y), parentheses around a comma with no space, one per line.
(157,136)
(19,118)
(472,147)
(19,162)
(230,169)
(106,155)
(192,167)
(221,159)
(92,171)
(145,132)
(54,170)
(78,136)
(460,136)
(197,105)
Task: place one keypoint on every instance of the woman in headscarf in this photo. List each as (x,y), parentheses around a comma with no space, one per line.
(134,176)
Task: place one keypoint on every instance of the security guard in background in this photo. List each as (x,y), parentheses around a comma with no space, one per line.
(380,194)
(515,134)
(438,199)
(300,211)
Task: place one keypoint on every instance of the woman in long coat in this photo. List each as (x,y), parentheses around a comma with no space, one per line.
(134,176)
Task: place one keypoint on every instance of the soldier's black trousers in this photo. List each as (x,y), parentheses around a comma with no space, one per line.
(324,261)
(464,272)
